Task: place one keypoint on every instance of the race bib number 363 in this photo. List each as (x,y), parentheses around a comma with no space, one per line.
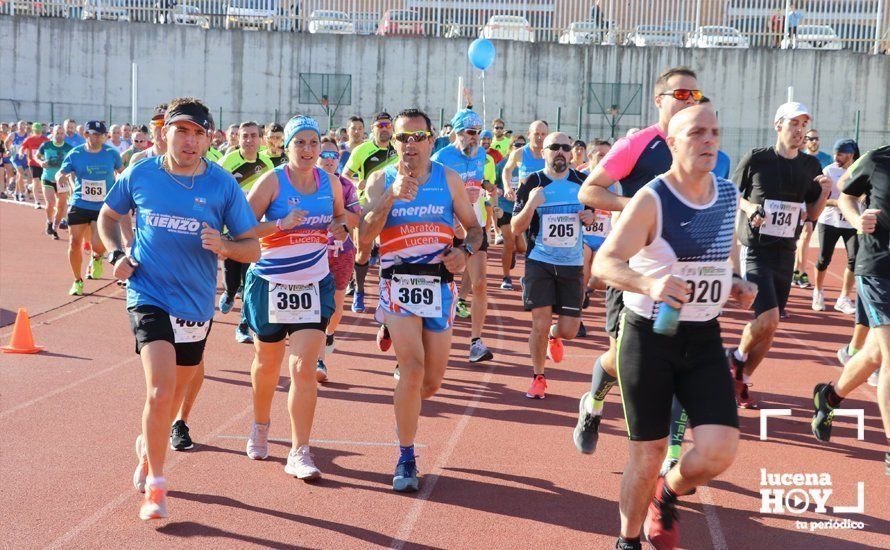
(289,304)
(92,190)
(561,230)
(188,331)
(418,294)
(707,285)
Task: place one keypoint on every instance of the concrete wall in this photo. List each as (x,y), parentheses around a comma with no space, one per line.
(79,68)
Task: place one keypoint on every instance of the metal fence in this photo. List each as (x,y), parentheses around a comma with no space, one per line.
(858,25)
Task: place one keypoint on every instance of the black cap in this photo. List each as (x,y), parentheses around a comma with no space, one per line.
(190,112)
(96,127)
(382,115)
(579,143)
(159,112)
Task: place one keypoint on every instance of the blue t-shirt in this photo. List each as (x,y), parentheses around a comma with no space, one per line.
(559,239)
(93,175)
(721,169)
(175,273)
(75,140)
(824,158)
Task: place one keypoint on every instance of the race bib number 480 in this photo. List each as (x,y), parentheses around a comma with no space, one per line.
(188,331)
(707,285)
(782,218)
(92,190)
(418,294)
(561,230)
(290,304)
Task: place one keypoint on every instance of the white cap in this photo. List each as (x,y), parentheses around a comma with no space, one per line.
(792,109)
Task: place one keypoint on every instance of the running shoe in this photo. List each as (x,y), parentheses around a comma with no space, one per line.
(397,374)
(54,234)
(873,378)
(329,343)
(586,303)
(76,289)
(804,281)
(300,464)
(844,355)
(154,506)
(499,239)
(49,228)
(587,430)
(405,479)
(258,442)
(625,545)
(358,302)
(823,413)
(350,288)
(38,206)
(795,278)
(179,437)
(507,284)
(538,388)
(479,352)
(321,371)
(96,268)
(463,309)
(819,301)
(667,465)
(242,335)
(845,305)
(582,331)
(384,342)
(225,303)
(784,314)
(662,526)
(141,472)
(63,225)
(555,349)
(743,396)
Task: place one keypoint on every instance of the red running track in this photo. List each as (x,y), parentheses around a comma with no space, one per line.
(498,470)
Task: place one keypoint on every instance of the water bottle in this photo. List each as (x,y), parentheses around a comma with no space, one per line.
(667,320)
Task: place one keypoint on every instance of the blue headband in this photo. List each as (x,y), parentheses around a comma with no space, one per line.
(298,124)
(845,146)
(465,119)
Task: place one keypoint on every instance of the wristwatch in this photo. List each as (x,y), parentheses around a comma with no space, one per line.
(115,256)
(467,248)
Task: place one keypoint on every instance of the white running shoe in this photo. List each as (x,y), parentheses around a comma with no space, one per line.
(873,378)
(844,355)
(818,301)
(258,442)
(141,471)
(300,464)
(154,506)
(845,305)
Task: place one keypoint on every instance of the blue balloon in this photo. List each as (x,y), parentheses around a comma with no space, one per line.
(481,53)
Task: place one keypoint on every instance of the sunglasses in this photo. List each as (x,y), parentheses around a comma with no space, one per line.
(330,155)
(498,127)
(518,144)
(139,141)
(472,131)
(383,124)
(413,137)
(682,94)
(811,138)
(560,147)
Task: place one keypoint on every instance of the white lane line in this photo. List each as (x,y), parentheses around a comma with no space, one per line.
(57,391)
(116,502)
(87,305)
(714,527)
(429,481)
(344,442)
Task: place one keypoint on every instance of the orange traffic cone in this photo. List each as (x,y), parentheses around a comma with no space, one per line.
(22,340)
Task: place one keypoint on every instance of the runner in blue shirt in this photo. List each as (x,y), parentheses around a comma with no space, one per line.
(92,167)
(182,203)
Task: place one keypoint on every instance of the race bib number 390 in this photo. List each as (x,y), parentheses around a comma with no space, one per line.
(782,218)
(418,294)
(188,331)
(707,286)
(289,304)
(92,190)
(561,230)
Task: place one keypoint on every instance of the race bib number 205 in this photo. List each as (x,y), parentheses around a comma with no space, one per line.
(561,230)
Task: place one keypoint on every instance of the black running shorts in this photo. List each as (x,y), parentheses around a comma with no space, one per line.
(151,324)
(653,368)
(80,216)
(771,270)
(614,308)
(556,286)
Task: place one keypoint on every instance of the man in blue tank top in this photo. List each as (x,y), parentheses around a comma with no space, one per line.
(418,263)
(553,269)
(675,246)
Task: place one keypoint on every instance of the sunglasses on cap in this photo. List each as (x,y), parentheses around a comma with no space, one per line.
(472,131)
(329,155)
(682,94)
(560,147)
(415,137)
(383,124)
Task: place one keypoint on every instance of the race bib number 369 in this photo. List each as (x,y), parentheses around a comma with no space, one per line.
(418,294)
(92,190)
(289,304)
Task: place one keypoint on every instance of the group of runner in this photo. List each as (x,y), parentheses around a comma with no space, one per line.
(299,217)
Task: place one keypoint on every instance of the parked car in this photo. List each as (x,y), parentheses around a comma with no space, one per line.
(715,36)
(508,27)
(251,14)
(815,37)
(365,22)
(400,22)
(330,22)
(588,32)
(105,10)
(654,35)
(185,14)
